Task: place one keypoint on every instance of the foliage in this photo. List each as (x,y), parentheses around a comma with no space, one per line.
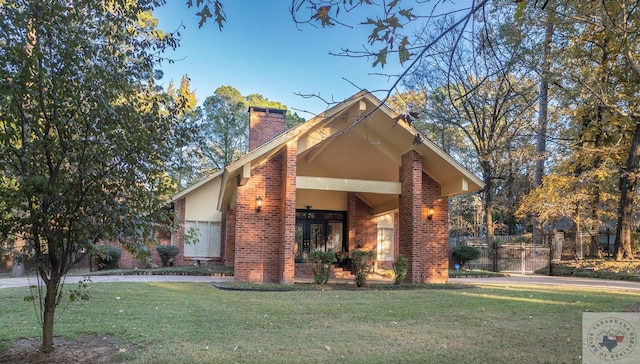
(225,128)
(322,265)
(107,256)
(184,164)
(342,257)
(464,254)
(82,290)
(166,253)
(200,270)
(400,268)
(216,134)
(362,262)
(85,133)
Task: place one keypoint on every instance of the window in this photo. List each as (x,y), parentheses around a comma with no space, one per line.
(206,242)
(385,237)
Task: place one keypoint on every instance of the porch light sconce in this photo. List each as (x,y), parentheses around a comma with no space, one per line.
(258,204)
(430,213)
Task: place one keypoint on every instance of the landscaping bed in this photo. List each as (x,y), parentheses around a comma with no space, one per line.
(597,268)
(216,270)
(332,286)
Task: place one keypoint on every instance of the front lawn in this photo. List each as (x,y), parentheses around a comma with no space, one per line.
(198,323)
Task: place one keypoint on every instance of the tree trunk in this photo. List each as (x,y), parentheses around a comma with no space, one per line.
(49,313)
(488,213)
(628,181)
(541,134)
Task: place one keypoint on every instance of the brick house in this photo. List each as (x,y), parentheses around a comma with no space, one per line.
(354,177)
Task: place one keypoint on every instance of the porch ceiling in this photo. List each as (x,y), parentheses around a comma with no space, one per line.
(365,145)
(357,139)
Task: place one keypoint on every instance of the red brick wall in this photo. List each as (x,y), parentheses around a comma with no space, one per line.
(422,241)
(264,125)
(178,236)
(362,225)
(129,261)
(259,247)
(229,222)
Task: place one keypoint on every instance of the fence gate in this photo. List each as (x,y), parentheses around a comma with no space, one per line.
(517,258)
(522,258)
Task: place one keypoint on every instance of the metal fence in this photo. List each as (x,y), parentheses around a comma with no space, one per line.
(512,258)
(515,254)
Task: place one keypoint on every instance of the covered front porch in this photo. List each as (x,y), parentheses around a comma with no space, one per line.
(356,177)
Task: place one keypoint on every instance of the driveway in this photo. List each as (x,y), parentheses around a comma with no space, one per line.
(539,280)
(514,280)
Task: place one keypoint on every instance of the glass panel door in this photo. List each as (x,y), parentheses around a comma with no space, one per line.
(317,236)
(299,241)
(334,241)
(322,230)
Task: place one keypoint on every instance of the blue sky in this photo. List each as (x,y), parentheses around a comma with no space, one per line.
(261,51)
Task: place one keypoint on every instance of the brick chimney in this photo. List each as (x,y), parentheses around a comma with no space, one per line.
(264,125)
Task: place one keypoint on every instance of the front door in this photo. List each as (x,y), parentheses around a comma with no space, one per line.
(323,230)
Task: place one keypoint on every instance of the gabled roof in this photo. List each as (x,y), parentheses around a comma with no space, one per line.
(359,117)
(357,139)
(196,185)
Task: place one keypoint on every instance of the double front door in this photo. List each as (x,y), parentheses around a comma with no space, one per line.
(322,230)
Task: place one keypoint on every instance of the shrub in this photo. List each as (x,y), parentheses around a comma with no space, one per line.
(107,256)
(362,261)
(464,254)
(166,253)
(322,265)
(400,268)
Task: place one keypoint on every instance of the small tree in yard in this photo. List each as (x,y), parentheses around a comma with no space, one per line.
(84,134)
(362,262)
(322,265)
(107,256)
(465,254)
(166,253)
(400,268)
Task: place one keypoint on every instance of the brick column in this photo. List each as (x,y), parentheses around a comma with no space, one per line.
(259,235)
(177,238)
(289,213)
(229,222)
(422,241)
(436,244)
(411,234)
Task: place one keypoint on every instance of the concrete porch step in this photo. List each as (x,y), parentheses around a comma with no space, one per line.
(340,272)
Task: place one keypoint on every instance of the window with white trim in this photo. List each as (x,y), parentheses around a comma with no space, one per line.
(206,242)
(385,237)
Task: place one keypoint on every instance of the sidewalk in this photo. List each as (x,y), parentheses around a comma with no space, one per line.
(6,282)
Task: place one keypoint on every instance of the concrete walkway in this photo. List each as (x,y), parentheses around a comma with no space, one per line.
(514,280)
(32,280)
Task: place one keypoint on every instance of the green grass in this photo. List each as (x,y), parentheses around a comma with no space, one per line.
(197,323)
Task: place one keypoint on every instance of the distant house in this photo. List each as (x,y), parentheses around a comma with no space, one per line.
(354,177)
